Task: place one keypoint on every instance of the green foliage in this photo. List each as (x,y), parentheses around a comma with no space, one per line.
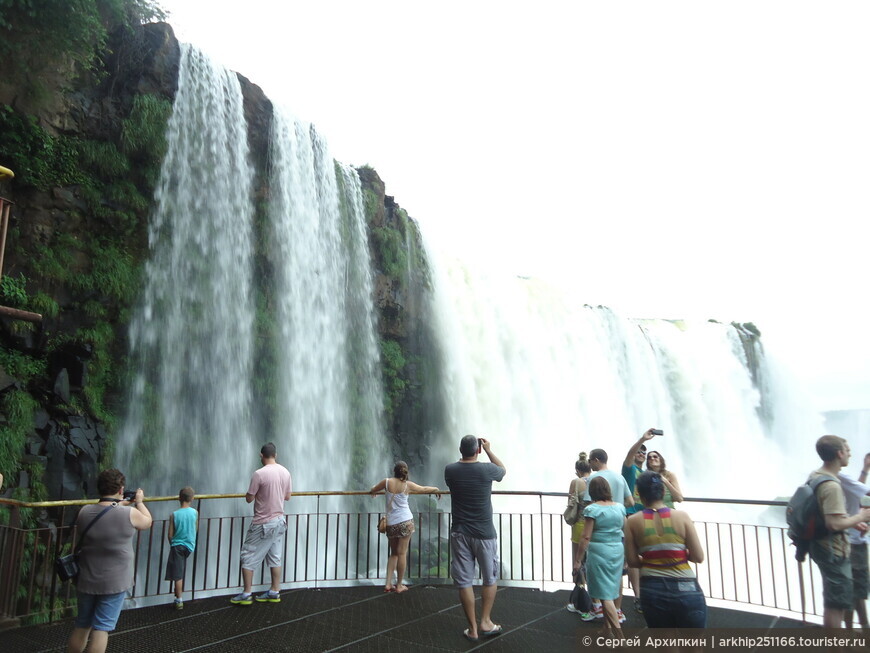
(20,365)
(44,305)
(143,133)
(393,363)
(103,159)
(40,37)
(13,292)
(18,408)
(37,158)
(391,245)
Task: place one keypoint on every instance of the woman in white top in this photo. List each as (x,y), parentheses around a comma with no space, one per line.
(400,521)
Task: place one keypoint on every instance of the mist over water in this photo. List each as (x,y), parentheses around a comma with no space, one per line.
(189,408)
(544,377)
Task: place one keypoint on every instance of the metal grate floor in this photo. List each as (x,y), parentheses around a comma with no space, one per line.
(425,619)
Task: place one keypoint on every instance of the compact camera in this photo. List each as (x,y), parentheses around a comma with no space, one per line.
(129,495)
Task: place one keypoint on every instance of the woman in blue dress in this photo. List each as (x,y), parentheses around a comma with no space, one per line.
(602,542)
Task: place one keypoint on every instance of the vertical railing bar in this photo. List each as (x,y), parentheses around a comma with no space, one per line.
(33,567)
(316,541)
(368,543)
(709,567)
(296,551)
(733,564)
(307,553)
(785,565)
(758,566)
(745,563)
(721,566)
(161,558)
(148,562)
(230,539)
(772,565)
(219,549)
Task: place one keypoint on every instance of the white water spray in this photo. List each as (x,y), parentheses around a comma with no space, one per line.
(545,377)
(329,397)
(189,408)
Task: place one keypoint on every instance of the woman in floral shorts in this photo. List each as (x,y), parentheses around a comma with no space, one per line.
(400,521)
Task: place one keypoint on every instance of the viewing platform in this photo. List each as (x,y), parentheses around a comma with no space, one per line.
(334,570)
(427,618)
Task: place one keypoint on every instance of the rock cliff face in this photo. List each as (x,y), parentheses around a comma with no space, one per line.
(77,242)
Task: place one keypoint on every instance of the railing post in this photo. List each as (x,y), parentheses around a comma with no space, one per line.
(543,562)
(316,543)
(803,596)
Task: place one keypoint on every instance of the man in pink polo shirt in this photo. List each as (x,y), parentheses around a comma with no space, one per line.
(270,487)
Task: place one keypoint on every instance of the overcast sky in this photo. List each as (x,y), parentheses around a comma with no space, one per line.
(668,159)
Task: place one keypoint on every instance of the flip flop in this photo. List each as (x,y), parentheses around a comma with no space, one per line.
(469,637)
(388,590)
(489,633)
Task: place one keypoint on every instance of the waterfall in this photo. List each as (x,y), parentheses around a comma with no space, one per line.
(329,397)
(544,376)
(189,407)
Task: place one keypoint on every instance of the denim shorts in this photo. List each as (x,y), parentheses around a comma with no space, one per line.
(860,575)
(99,611)
(836,573)
(672,602)
(465,551)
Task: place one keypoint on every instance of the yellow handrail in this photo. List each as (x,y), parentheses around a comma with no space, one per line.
(6,173)
(84,502)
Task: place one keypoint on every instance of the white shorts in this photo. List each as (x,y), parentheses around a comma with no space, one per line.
(264,541)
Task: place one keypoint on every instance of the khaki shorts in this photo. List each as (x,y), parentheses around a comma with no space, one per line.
(264,541)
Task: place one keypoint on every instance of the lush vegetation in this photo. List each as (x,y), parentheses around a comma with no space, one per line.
(99,274)
(71,34)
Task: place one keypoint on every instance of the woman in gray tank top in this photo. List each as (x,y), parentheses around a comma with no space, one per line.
(106,560)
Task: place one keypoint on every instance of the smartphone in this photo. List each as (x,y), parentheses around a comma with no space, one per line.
(656,431)
(479,446)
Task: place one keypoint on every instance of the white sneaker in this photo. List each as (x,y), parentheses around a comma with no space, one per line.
(597,611)
(620,616)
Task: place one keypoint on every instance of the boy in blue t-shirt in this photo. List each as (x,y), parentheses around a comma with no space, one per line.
(182,540)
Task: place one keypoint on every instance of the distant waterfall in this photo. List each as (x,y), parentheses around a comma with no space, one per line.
(189,409)
(545,377)
(329,398)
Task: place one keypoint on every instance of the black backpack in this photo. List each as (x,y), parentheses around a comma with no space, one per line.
(804,516)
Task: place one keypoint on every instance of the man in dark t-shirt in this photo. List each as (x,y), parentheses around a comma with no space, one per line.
(472,533)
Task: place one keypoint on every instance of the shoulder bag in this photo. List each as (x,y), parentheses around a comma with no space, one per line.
(574,510)
(67,567)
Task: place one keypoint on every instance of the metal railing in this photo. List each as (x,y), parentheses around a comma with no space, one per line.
(749,565)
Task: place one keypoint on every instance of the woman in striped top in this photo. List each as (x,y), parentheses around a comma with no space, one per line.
(662,541)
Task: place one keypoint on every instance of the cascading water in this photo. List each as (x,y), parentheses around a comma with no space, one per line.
(191,338)
(544,377)
(329,397)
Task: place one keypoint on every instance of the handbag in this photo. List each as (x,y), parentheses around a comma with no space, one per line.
(574,511)
(67,567)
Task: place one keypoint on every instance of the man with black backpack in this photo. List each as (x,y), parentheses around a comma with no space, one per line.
(831,552)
